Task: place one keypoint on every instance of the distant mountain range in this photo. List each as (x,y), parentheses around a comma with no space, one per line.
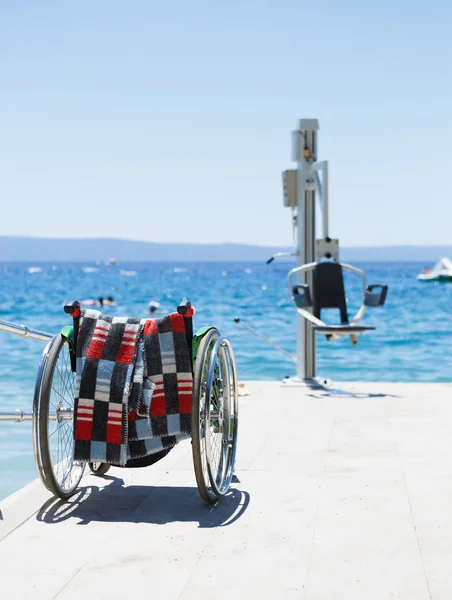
(92,249)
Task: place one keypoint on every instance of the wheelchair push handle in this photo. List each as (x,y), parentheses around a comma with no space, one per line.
(185,308)
(72,308)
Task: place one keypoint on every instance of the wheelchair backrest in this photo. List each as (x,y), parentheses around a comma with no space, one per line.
(328,289)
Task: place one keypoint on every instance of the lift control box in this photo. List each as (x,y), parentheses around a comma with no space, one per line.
(290,188)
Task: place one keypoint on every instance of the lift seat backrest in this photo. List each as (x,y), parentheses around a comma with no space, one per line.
(328,289)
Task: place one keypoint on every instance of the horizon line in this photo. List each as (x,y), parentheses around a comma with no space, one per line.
(184,243)
(183,261)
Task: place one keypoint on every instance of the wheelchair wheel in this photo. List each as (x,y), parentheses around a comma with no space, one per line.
(53,412)
(214,416)
(98,468)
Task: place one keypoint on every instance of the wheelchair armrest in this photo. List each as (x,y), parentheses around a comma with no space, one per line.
(302,295)
(375,298)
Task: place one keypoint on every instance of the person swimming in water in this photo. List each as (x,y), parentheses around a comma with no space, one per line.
(101,301)
(92,302)
(153,306)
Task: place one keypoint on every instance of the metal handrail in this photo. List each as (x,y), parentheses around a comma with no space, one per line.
(35,334)
(15,415)
(61,414)
(24,331)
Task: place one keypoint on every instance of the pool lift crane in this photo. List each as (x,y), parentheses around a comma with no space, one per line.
(317,280)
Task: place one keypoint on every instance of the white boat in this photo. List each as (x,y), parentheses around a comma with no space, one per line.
(442,271)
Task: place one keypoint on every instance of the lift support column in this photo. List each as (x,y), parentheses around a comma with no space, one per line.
(304,153)
(299,194)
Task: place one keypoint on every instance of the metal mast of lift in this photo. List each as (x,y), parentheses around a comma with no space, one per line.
(301,186)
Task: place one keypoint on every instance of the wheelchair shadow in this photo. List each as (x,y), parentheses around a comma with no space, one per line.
(115,503)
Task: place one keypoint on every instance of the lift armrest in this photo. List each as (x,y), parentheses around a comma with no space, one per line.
(375,298)
(302,295)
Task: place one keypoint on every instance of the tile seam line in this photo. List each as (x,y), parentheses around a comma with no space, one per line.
(409,503)
(35,512)
(325,464)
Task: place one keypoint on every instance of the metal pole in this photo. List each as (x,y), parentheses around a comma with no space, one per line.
(309,363)
(305,152)
(15,415)
(61,414)
(256,333)
(35,334)
(24,331)
(302,324)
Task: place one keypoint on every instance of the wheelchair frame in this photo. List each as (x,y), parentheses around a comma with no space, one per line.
(214,418)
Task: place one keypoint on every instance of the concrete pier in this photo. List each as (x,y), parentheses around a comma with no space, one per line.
(341,494)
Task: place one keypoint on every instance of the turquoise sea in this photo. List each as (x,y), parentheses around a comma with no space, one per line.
(412,341)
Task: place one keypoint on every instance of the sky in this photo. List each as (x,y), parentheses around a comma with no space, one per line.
(172,121)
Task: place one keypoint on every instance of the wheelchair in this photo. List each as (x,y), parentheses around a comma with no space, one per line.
(214,412)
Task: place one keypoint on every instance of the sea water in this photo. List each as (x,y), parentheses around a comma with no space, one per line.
(411,343)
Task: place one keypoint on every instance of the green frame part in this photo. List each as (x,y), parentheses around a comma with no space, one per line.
(67,332)
(197,340)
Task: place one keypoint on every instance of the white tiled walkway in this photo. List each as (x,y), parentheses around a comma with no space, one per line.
(341,495)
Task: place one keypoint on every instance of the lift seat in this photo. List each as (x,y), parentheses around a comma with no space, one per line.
(328,292)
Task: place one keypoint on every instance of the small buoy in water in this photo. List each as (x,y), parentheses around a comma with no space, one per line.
(264,287)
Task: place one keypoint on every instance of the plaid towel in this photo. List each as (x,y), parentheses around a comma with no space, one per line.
(133,387)
(106,349)
(161,398)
